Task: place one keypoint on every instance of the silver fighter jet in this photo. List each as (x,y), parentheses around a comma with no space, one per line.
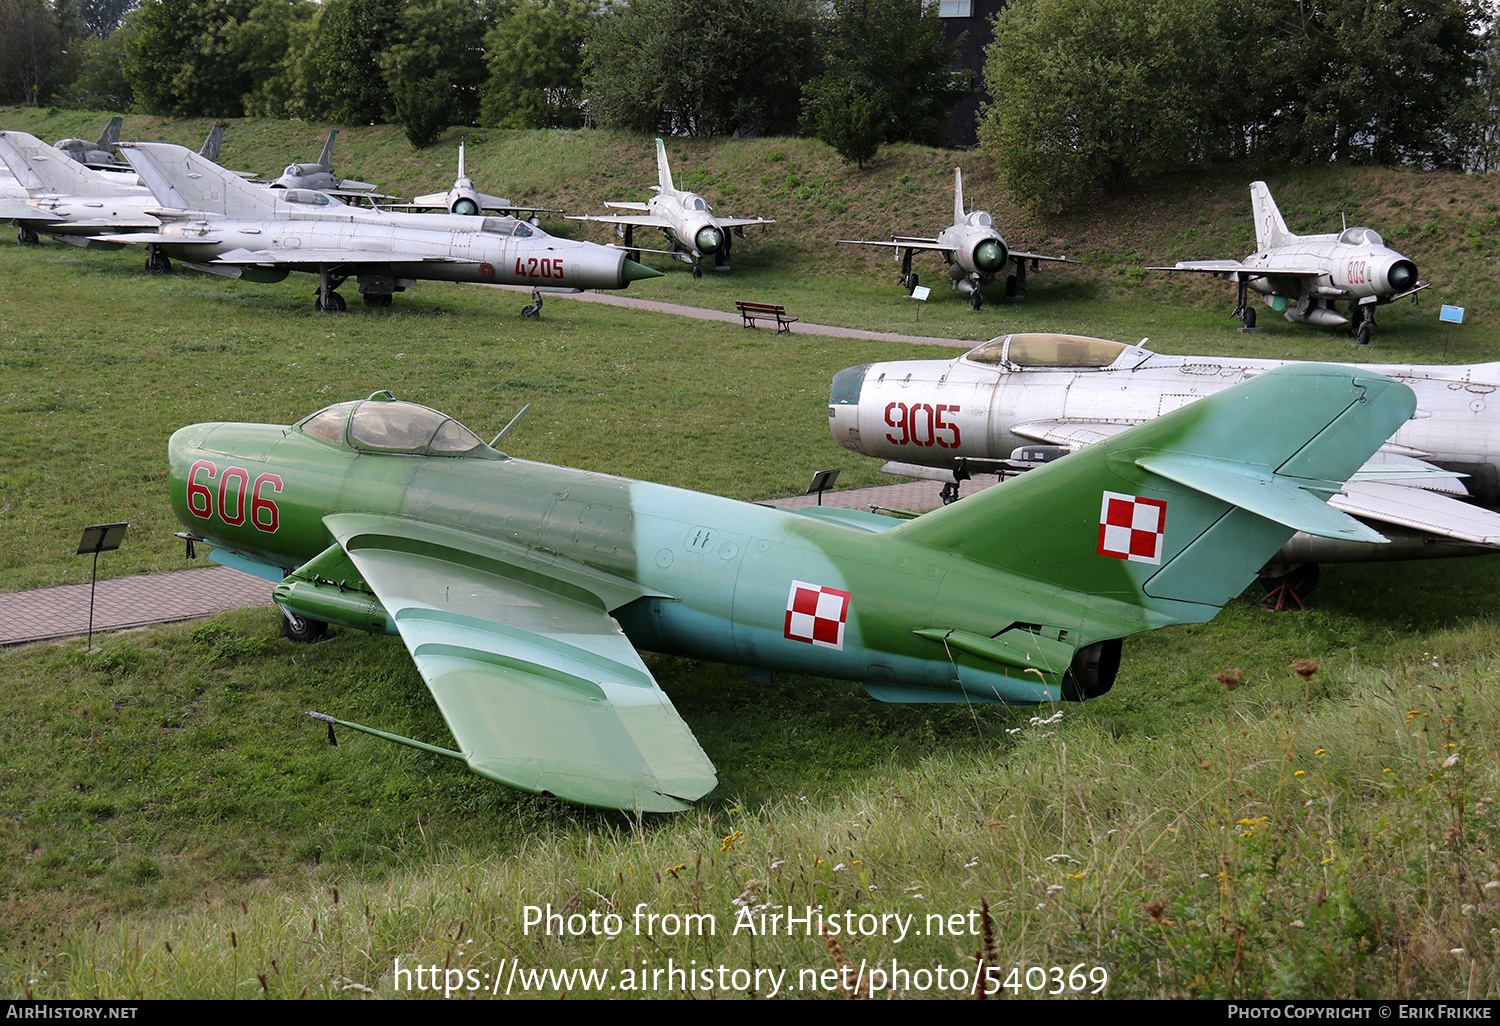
(224,225)
(691,228)
(1024,399)
(973,250)
(321,176)
(1302,276)
(465,198)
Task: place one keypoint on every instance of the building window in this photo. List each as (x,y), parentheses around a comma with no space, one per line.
(955,8)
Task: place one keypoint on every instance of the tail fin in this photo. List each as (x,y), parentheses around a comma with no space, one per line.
(461,173)
(1270,229)
(663,172)
(326,157)
(39,166)
(211,145)
(182,179)
(1176,515)
(110,137)
(958,195)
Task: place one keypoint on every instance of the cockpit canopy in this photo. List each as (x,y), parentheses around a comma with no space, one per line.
(509,226)
(1048,350)
(981,219)
(696,203)
(310,197)
(1361,237)
(381,424)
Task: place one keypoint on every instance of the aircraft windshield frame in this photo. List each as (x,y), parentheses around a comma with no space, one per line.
(1049,350)
(510,226)
(1361,237)
(391,427)
(308,197)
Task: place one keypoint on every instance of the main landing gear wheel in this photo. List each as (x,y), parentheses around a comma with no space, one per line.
(301,628)
(328,302)
(1249,318)
(27,237)
(534,311)
(911,281)
(158,263)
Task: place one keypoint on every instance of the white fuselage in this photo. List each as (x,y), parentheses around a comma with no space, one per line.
(929,412)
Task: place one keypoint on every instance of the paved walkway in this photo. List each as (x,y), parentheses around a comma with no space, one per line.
(703,314)
(124,602)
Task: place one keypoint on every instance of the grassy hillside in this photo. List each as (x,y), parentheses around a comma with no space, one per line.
(176,826)
(1446,223)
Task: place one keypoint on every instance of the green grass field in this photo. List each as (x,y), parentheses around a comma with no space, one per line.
(177,827)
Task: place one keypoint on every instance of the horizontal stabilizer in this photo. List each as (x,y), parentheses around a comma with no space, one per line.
(1285,500)
(1420,510)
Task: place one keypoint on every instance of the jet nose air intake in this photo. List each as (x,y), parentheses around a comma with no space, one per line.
(1402,275)
(708,239)
(989,256)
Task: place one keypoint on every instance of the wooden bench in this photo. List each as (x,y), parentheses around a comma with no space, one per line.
(752,312)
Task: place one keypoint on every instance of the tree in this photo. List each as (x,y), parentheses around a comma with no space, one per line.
(181,59)
(1361,82)
(343,78)
(101,83)
(30,49)
(535,58)
(435,66)
(892,53)
(272,44)
(1092,93)
(845,117)
(104,16)
(701,67)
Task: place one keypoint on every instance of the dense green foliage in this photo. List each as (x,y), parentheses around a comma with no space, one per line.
(535,58)
(701,67)
(891,54)
(1090,94)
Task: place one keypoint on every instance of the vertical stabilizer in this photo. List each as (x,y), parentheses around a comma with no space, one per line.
(41,167)
(461,172)
(110,137)
(326,158)
(1270,229)
(663,171)
(958,195)
(215,141)
(180,178)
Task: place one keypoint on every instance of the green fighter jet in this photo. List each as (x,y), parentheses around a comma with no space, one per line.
(524,590)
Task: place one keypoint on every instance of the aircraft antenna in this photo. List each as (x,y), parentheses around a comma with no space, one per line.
(495,443)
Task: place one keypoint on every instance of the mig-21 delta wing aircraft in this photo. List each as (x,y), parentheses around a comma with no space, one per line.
(1023,398)
(1301,276)
(465,198)
(972,248)
(225,225)
(692,229)
(524,590)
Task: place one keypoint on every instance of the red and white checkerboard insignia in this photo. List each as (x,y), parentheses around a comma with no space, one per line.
(1132,528)
(816,615)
